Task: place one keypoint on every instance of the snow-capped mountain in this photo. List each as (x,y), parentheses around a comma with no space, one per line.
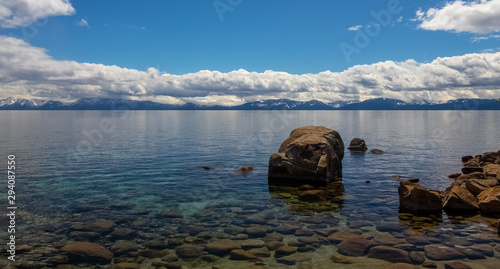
(273,104)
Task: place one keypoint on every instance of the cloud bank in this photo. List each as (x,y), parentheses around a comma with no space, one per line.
(29,72)
(480,17)
(16,13)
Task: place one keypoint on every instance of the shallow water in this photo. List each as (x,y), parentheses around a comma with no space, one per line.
(131,166)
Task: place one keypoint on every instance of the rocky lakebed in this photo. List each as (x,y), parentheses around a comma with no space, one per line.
(307,221)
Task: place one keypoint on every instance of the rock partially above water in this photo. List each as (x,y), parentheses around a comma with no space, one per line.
(489,200)
(311,154)
(244,170)
(458,198)
(415,198)
(357,144)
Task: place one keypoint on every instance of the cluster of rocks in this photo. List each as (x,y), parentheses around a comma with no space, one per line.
(476,189)
(358,144)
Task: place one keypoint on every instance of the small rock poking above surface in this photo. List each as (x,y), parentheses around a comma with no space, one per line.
(357,144)
(376,151)
(311,154)
(244,170)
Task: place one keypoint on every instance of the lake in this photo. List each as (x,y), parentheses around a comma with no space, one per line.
(142,170)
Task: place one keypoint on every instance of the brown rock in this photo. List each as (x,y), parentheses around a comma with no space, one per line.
(472,163)
(286,250)
(355,247)
(260,252)
(389,254)
(311,154)
(458,198)
(339,258)
(294,258)
(87,251)
(188,251)
(244,170)
(454,175)
(475,186)
(440,253)
(252,243)
(240,254)
(122,232)
(470,170)
(489,157)
(471,175)
(376,151)
(456,265)
(466,158)
(125,265)
(123,247)
(340,236)
(489,200)
(400,265)
(416,198)
(388,240)
(223,246)
(274,245)
(357,144)
(491,169)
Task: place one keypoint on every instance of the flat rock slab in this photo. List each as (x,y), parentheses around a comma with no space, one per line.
(355,247)
(87,251)
(389,254)
(442,253)
(189,251)
(223,246)
(456,265)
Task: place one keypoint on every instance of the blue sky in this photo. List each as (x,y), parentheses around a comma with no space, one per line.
(296,37)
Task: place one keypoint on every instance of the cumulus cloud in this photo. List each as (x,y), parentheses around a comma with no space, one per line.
(83,23)
(355,28)
(16,13)
(29,72)
(481,17)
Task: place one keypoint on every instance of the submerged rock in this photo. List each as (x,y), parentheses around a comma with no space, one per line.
(416,198)
(355,247)
(389,254)
(357,144)
(87,251)
(311,154)
(440,253)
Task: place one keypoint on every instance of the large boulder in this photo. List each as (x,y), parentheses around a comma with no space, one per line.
(489,200)
(415,198)
(458,198)
(357,144)
(311,154)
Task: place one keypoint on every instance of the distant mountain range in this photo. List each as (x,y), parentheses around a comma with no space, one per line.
(273,104)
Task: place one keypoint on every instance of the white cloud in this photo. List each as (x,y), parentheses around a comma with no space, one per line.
(83,23)
(355,28)
(476,39)
(29,72)
(16,13)
(481,17)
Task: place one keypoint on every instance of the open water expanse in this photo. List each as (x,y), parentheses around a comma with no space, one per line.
(133,182)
